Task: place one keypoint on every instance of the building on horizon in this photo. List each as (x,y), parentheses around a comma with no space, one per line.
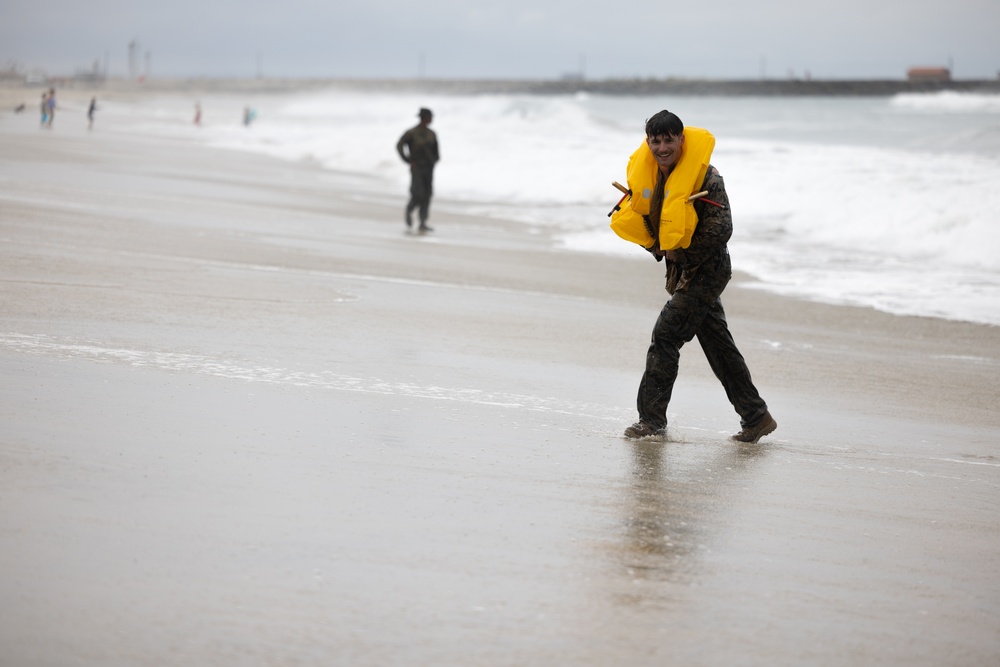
(925,74)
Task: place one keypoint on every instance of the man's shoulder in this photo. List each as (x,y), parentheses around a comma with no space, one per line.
(712,176)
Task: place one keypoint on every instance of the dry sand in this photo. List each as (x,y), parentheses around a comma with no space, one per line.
(246,420)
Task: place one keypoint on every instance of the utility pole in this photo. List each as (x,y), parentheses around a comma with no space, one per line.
(132,47)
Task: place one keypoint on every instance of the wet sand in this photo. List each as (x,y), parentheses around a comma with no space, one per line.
(247,420)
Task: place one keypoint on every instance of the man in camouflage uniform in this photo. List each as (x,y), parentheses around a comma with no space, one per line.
(696,277)
(421,154)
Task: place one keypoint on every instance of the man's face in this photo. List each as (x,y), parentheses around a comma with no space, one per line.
(666,150)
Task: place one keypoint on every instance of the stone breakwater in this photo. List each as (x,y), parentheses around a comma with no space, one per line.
(765,87)
(684,86)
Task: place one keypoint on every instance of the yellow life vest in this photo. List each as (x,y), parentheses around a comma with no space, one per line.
(678,219)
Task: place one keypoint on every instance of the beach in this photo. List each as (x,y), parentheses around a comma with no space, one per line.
(247,419)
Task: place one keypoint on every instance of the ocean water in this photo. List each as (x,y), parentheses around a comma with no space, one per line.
(886,202)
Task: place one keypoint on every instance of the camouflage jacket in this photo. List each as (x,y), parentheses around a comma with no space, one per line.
(715,224)
(421,147)
(715,227)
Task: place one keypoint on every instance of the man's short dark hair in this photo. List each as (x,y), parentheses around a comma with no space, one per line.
(664,123)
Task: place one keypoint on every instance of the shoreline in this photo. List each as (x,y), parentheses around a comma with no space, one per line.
(227,102)
(969,343)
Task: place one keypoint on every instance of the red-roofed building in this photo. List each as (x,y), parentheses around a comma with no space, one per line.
(928,74)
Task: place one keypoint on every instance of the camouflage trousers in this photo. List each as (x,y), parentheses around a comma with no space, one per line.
(696,310)
(421,189)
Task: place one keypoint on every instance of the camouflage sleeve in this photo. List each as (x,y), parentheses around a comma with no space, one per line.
(715,223)
(403,141)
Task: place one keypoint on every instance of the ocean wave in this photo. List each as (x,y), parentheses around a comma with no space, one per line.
(948,101)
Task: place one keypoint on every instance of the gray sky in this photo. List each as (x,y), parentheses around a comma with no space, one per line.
(511,38)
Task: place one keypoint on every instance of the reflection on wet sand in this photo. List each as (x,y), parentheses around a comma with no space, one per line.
(675,502)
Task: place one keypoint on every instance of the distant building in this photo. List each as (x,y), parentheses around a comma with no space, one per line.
(935,74)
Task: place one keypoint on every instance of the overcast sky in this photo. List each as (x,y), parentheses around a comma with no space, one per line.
(509,38)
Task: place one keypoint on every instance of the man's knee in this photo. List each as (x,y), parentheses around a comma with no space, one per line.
(679,321)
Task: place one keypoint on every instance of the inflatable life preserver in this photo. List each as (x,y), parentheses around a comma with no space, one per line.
(678,219)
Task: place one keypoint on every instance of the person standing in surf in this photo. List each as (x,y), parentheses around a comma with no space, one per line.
(90,113)
(50,106)
(421,153)
(679,211)
(44,109)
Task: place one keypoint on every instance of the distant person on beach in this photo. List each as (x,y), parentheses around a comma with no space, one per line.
(50,106)
(197,114)
(90,113)
(696,274)
(45,109)
(421,153)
